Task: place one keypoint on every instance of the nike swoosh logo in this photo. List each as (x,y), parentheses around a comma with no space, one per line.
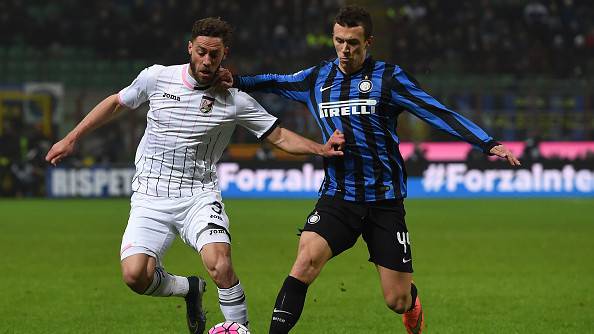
(324,88)
(281,311)
(405,260)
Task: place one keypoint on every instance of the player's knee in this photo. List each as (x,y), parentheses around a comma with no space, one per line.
(397,302)
(306,269)
(135,280)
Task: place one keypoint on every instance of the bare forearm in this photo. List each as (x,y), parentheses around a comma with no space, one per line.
(293,143)
(101,114)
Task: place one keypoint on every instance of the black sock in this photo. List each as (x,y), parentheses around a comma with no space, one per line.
(288,306)
(413,293)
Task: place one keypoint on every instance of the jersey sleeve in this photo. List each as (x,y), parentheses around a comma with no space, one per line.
(295,86)
(407,93)
(140,89)
(252,116)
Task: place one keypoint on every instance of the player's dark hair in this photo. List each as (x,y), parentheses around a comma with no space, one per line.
(354,16)
(213,27)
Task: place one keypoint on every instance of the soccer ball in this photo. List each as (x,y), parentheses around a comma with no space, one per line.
(228,327)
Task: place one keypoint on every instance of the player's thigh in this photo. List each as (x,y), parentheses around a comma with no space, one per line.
(205,221)
(149,230)
(339,222)
(313,249)
(387,237)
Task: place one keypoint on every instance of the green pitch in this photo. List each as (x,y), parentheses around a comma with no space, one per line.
(482,266)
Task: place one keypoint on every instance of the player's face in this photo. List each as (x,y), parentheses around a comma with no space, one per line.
(206,55)
(351,47)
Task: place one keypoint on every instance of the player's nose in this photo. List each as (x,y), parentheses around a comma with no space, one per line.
(207,61)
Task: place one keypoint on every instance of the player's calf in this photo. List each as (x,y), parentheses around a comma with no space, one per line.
(288,306)
(221,272)
(216,258)
(217,261)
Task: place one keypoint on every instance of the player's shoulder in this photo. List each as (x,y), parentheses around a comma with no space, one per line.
(230,96)
(381,64)
(153,71)
(243,100)
(326,63)
(239,96)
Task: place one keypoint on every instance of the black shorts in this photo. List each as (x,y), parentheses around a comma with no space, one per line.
(381,223)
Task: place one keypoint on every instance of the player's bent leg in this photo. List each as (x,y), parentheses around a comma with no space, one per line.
(216,257)
(313,253)
(400,295)
(396,287)
(143,276)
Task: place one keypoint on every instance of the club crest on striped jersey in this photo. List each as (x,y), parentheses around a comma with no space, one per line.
(313,218)
(365,86)
(347,108)
(206,104)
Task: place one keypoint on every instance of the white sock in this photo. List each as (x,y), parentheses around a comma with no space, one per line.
(165,284)
(233,304)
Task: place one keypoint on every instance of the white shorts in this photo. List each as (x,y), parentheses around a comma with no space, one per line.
(154,222)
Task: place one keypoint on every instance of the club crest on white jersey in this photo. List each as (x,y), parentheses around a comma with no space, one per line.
(206,104)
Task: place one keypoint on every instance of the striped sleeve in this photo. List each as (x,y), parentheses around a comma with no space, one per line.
(407,93)
(292,86)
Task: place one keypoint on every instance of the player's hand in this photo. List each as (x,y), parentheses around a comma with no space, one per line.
(59,151)
(503,152)
(334,146)
(223,79)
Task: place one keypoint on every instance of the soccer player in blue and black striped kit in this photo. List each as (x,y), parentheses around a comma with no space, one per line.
(363,191)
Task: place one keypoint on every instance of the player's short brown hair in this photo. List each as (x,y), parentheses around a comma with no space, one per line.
(213,27)
(354,16)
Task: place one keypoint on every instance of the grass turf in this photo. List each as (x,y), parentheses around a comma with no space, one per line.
(482,266)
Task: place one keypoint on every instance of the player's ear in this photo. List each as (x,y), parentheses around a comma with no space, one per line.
(225,52)
(189,47)
(369,41)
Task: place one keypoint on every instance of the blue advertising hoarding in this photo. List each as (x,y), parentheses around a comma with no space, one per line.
(274,179)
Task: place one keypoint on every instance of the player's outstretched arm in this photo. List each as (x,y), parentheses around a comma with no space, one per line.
(503,152)
(101,114)
(294,86)
(293,143)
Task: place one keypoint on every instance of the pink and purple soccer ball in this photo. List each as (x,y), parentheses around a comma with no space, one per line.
(228,327)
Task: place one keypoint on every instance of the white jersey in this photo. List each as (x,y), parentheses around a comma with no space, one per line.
(187,130)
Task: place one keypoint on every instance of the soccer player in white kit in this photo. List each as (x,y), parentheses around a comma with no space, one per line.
(175,187)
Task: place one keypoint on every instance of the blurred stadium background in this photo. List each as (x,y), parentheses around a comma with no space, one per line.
(522,69)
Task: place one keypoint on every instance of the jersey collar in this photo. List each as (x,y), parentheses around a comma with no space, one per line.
(368,62)
(189,80)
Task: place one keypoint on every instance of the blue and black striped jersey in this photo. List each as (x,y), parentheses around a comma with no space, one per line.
(365,106)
